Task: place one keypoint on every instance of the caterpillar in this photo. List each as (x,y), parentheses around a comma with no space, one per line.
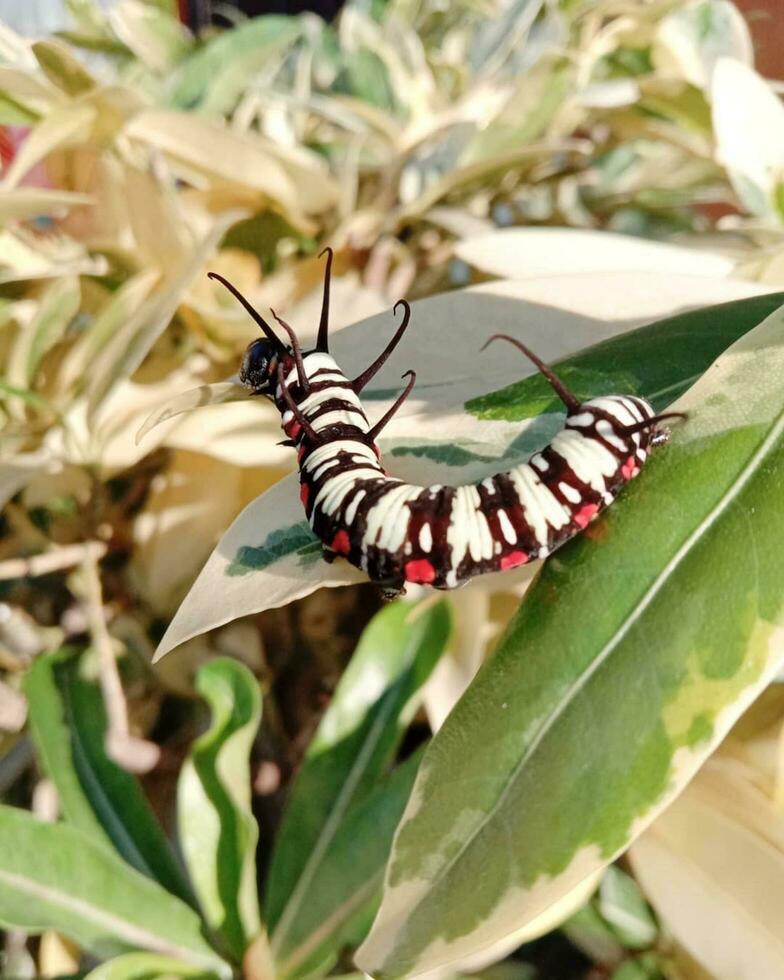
(438,535)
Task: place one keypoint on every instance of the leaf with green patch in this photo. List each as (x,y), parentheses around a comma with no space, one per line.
(218,832)
(68,726)
(53,876)
(649,637)
(285,541)
(659,361)
(353,747)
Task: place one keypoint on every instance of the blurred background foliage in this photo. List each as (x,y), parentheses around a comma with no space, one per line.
(138,155)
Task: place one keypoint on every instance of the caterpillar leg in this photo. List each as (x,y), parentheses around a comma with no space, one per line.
(328,555)
(391,590)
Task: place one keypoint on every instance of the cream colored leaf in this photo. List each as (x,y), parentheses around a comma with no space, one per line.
(23,259)
(716,856)
(16,472)
(691,39)
(189,505)
(123,354)
(24,203)
(157,39)
(65,126)
(520,253)
(78,363)
(297,182)
(243,433)
(29,89)
(748,120)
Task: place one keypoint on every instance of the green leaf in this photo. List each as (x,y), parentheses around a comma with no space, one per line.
(630,657)
(659,361)
(58,306)
(214,77)
(146,966)
(344,895)
(52,876)
(621,905)
(352,749)
(218,831)
(68,726)
(62,68)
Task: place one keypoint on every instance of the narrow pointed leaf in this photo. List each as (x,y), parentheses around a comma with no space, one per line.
(52,876)
(68,726)
(220,393)
(352,749)
(57,307)
(218,831)
(344,895)
(630,657)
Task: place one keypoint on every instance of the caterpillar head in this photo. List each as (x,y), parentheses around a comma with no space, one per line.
(259,364)
(264,357)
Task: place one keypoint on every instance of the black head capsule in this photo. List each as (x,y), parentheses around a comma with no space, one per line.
(259,364)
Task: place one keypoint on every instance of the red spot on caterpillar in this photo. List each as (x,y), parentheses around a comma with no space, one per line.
(419,571)
(584,514)
(300,452)
(376,450)
(513,559)
(293,429)
(341,543)
(304,493)
(629,468)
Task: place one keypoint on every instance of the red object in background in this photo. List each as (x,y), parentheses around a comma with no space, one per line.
(7,147)
(766,23)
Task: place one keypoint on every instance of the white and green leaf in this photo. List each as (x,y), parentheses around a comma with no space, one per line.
(633,664)
(53,876)
(217,829)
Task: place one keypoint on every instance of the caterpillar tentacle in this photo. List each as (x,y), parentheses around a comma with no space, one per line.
(254,313)
(359,382)
(377,428)
(302,377)
(322,341)
(572,403)
(439,535)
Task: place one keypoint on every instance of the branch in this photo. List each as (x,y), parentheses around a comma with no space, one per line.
(132,753)
(51,561)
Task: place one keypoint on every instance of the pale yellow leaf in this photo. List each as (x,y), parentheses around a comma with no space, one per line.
(299,184)
(65,126)
(712,865)
(748,121)
(520,253)
(23,203)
